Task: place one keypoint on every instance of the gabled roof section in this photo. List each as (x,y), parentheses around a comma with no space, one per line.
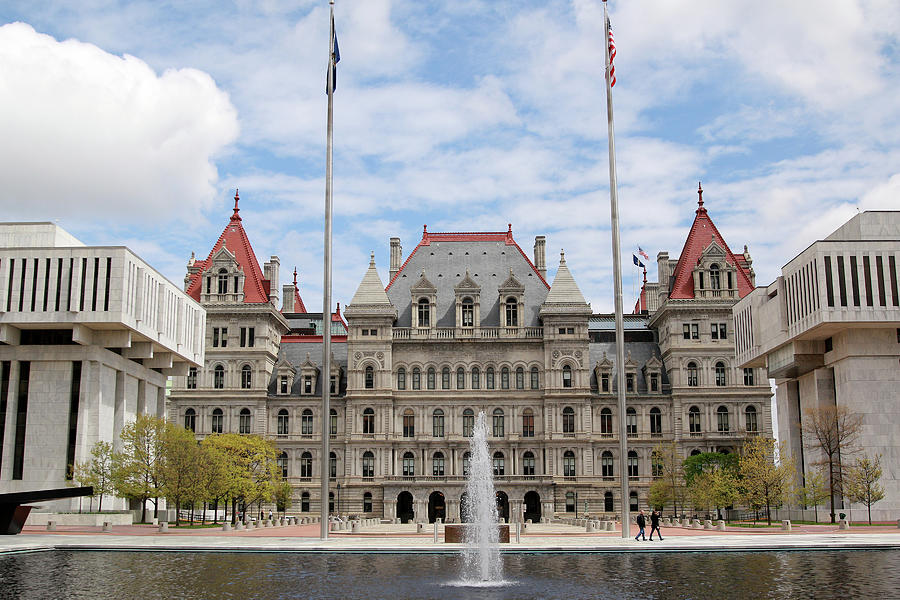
(234,238)
(370,290)
(703,233)
(423,285)
(564,289)
(511,284)
(467,284)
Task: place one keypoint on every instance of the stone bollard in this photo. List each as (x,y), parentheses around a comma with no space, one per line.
(898,523)
(155,520)
(696,524)
(785,525)
(720,525)
(226,526)
(51,525)
(107,527)
(356,527)
(163,527)
(420,527)
(845,524)
(707,524)
(437,522)
(239,526)
(610,525)
(589,526)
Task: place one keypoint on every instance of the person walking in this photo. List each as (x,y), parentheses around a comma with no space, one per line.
(654,525)
(641,523)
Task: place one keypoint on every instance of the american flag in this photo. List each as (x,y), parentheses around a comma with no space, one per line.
(612,55)
(642,253)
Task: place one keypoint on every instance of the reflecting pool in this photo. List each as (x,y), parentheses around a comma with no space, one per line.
(733,575)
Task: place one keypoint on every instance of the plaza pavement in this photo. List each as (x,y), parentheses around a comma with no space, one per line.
(403,538)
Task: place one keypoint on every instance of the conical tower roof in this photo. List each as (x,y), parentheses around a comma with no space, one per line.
(564,290)
(371,289)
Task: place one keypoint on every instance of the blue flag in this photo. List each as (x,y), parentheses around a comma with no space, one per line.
(637,262)
(335,58)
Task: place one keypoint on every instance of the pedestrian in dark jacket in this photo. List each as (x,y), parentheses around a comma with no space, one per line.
(641,523)
(654,525)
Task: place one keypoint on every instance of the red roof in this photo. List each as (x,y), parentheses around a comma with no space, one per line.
(234,238)
(299,307)
(703,233)
(468,236)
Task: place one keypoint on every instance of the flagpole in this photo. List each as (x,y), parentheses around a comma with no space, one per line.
(325,375)
(617,287)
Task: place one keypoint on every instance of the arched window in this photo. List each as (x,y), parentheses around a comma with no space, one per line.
(332,465)
(750,417)
(568,464)
(370,378)
(489,378)
(283,422)
(512,312)
(192,379)
(333,421)
(367,502)
(246,377)
(520,378)
(424,313)
(722,419)
(693,376)
(331,502)
(219,377)
(304,502)
(431,377)
(714,280)
(656,464)
(633,501)
(244,420)
(476,378)
(460,378)
(499,423)
(409,423)
(223,281)
(401,378)
(467,460)
(720,373)
(368,421)
(445,378)
(306,422)
(217,420)
(190,419)
(417,378)
(567,376)
(695,452)
(468,313)
(570,502)
(368,464)
(655,422)
(409,465)
(608,502)
(499,464)
(437,464)
(630,422)
(606,464)
(632,463)
(527,423)
(437,423)
(694,420)
(468,423)
(282,464)
(504,378)
(606,426)
(535,378)
(528,464)
(568,420)
(306,465)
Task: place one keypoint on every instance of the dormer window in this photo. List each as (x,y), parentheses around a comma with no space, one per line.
(223,281)
(512,312)
(468,313)
(424,313)
(714,281)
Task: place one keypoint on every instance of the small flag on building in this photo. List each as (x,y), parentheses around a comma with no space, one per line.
(612,55)
(637,261)
(642,253)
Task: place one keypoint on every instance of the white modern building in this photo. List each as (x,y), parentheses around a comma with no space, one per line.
(88,338)
(828,331)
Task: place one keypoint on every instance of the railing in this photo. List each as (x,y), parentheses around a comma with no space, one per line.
(467,333)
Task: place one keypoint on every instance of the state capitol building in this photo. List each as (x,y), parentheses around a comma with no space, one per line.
(469,322)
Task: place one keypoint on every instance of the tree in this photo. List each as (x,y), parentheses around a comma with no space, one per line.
(283,493)
(707,462)
(139,472)
(765,483)
(660,494)
(98,471)
(862,482)
(181,466)
(833,431)
(670,487)
(248,467)
(813,492)
(714,489)
(212,473)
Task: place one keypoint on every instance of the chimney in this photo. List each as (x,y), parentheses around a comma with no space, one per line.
(662,275)
(287,295)
(270,272)
(192,269)
(396,256)
(540,255)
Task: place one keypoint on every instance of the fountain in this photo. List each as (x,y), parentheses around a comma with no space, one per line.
(482,553)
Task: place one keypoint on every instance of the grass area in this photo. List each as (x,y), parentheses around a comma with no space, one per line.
(186,525)
(752,525)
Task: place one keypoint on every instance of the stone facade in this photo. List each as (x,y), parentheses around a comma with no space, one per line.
(468,323)
(828,331)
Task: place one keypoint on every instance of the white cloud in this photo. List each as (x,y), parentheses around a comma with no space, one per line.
(89,133)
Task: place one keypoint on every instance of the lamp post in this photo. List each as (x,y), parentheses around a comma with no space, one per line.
(339,499)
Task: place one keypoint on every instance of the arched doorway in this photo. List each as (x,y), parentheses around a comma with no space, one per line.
(464,508)
(436,507)
(532,507)
(503,506)
(405,507)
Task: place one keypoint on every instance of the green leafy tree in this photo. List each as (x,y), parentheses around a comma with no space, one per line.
(813,492)
(833,431)
(283,493)
(659,495)
(97,472)
(181,467)
(670,488)
(212,473)
(707,462)
(139,469)
(763,482)
(714,489)
(862,482)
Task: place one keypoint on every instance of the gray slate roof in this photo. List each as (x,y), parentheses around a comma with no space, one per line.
(295,352)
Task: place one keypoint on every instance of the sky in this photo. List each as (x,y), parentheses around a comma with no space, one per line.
(132,123)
